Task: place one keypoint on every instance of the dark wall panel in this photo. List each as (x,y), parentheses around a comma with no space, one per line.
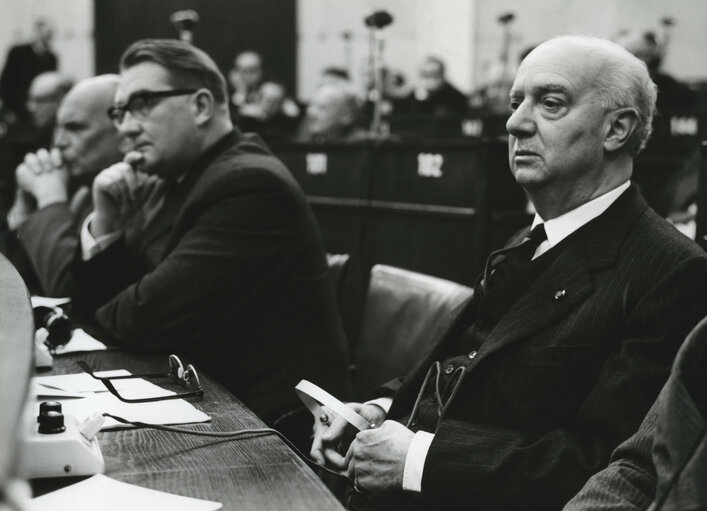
(226,27)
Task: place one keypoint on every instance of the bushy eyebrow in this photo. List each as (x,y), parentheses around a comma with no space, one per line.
(541,90)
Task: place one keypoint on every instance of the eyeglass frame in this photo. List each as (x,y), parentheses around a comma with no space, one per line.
(120,109)
(177,373)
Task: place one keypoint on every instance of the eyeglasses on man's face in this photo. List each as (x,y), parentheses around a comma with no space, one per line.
(186,377)
(141,104)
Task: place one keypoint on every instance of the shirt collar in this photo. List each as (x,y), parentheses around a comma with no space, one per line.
(559,228)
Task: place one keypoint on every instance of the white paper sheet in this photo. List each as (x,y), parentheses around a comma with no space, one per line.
(80,341)
(40,391)
(45,301)
(171,411)
(103,493)
(94,397)
(83,382)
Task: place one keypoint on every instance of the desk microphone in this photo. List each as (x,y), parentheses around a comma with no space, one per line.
(56,322)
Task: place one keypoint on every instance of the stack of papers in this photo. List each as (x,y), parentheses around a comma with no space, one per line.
(82,396)
(106,494)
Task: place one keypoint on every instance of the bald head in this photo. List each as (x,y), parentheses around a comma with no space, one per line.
(581,109)
(45,93)
(333,109)
(85,135)
(94,95)
(620,79)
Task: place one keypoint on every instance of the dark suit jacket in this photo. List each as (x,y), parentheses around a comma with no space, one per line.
(21,66)
(231,273)
(50,237)
(559,383)
(664,465)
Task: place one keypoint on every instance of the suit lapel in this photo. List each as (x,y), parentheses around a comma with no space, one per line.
(567,282)
(562,286)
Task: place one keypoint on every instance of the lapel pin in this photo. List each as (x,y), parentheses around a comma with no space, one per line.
(560,293)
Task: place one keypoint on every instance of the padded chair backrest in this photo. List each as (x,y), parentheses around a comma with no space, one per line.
(402,312)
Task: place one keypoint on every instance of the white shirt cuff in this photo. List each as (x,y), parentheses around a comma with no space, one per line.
(91,246)
(382,402)
(415,461)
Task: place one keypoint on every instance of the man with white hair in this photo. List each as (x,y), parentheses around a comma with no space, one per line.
(568,338)
(332,115)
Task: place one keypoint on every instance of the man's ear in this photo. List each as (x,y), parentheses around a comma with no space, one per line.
(622,124)
(203,105)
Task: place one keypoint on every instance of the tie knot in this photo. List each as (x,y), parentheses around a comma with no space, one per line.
(535,237)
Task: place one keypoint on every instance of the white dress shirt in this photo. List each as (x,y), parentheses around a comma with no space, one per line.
(91,246)
(557,229)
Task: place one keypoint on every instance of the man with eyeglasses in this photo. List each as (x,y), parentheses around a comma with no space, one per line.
(229,269)
(54,189)
(571,331)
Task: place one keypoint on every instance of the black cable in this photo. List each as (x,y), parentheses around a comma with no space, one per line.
(247,433)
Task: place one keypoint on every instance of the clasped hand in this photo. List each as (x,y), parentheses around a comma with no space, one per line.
(375,460)
(43,177)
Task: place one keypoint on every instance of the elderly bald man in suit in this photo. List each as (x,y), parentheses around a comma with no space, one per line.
(568,338)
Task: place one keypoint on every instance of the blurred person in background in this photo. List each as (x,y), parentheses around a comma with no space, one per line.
(244,80)
(274,116)
(676,192)
(23,63)
(43,100)
(433,94)
(332,115)
(672,94)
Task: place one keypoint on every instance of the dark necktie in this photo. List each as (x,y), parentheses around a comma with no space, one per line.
(516,260)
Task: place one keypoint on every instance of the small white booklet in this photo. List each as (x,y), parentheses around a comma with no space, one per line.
(106,494)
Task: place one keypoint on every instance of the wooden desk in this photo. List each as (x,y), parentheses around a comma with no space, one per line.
(251,474)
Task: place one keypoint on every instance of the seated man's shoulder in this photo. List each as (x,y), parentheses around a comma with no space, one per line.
(255,178)
(249,158)
(661,239)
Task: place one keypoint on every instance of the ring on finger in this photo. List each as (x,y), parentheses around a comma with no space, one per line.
(324,419)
